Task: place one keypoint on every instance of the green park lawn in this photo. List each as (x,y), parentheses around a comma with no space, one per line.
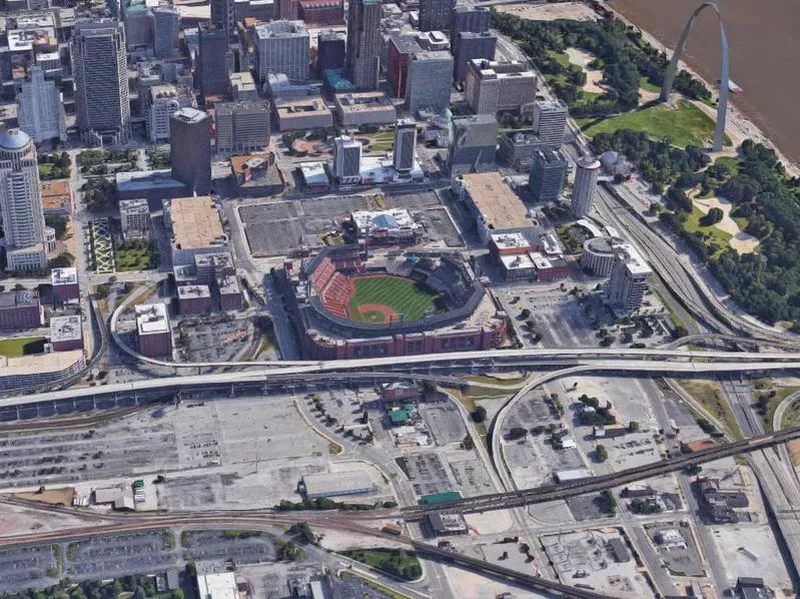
(132,259)
(404,296)
(712,234)
(397,562)
(23,346)
(731,162)
(648,86)
(685,125)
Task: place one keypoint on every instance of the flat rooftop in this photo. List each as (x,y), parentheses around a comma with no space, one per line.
(500,207)
(337,483)
(218,586)
(509,241)
(18,299)
(636,264)
(517,262)
(152,319)
(187,292)
(65,328)
(134,206)
(195,223)
(296,107)
(64,276)
(56,194)
(39,363)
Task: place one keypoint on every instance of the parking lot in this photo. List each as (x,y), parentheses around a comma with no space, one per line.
(224,545)
(682,560)
(217,341)
(279,228)
(427,473)
(440,227)
(120,555)
(27,567)
(532,459)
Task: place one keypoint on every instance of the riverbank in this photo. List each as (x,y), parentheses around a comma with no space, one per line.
(762,49)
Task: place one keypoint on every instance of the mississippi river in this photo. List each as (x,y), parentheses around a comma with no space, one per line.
(765,55)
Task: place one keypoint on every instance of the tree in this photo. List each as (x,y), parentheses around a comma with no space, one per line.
(467,442)
(525,313)
(517,433)
(713,216)
(633,426)
(428,387)
(608,501)
(601,452)
(479,415)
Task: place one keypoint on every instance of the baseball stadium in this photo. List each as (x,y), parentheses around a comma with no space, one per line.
(395,303)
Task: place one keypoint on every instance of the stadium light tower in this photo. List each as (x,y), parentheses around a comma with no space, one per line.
(669,77)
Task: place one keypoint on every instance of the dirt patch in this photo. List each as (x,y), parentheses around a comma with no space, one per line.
(377,313)
(51,496)
(573,11)
(742,242)
(594,77)
(794,452)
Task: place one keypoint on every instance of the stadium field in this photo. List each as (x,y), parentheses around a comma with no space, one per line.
(383,298)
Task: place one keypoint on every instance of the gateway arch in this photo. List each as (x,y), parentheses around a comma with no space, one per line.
(669,77)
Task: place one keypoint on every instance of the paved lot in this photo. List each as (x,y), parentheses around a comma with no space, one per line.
(217,545)
(278,228)
(444,422)
(680,561)
(119,555)
(427,473)
(218,341)
(587,507)
(26,567)
(440,227)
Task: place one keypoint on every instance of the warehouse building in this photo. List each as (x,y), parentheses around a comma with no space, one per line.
(194,299)
(336,484)
(195,228)
(153,330)
(496,208)
(65,284)
(441,525)
(66,333)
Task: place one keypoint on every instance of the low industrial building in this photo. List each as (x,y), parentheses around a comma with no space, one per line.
(505,244)
(564,476)
(32,371)
(66,332)
(153,330)
(217,586)
(57,197)
(257,174)
(195,228)
(364,108)
(336,484)
(304,113)
(386,227)
(134,217)
(194,299)
(447,524)
(549,268)
(496,208)
(315,176)
(619,551)
(65,284)
(230,293)
(20,310)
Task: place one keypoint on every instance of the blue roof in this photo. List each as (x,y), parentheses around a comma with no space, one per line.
(385,221)
(336,79)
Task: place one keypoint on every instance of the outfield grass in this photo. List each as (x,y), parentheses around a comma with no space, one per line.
(23,346)
(404,296)
(685,125)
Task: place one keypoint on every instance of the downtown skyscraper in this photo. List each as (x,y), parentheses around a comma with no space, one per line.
(363,43)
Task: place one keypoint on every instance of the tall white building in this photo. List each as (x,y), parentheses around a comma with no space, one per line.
(161,102)
(405,141)
(41,112)
(283,47)
(628,278)
(586,172)
(347,159)
(21,202)
(99,65)
(550,122)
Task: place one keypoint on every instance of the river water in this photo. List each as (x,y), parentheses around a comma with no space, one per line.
(764,51)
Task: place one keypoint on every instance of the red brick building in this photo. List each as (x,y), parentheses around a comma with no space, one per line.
(20,310)
(321,12)
(194,299)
